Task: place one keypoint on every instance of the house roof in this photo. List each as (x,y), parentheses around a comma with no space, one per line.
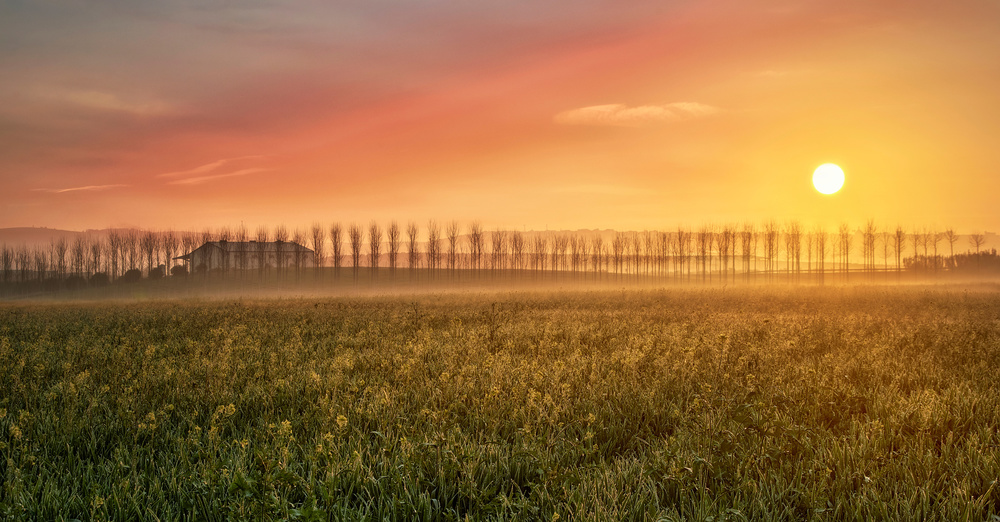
(251,247)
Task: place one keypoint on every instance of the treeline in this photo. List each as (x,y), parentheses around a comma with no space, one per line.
(706,254)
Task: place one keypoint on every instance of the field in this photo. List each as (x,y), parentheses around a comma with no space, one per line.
(806,403)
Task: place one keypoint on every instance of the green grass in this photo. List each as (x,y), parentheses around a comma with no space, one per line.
(748,404)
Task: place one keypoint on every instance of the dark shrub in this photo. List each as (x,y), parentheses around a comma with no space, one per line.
(157,273)
(99,279)
(179,270)
(74,282)
(131,276)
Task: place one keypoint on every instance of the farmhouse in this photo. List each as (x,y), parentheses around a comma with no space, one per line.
(248,255)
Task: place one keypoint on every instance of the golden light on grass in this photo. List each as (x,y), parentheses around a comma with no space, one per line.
(828,178)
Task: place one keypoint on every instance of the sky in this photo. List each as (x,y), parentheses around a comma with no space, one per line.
(580,114)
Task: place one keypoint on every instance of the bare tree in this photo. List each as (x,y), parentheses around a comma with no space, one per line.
(131,238)
(558,252)
(868,236)
(844,234)
(453,246)
(821,238)
(374,246)
(618,251)
(23,257)
(497,241)
(433,246)
(637,252)
(951,237)
(682,251)
(318,245)
(260,247)
(60,249)
(355,237)
(977,241)
(935,238)
(41,264)
(223,237)
(541,249)
(393,237)
(886,238)
(337,247)
(517,250)
(597,251)
(241,237)
(723,241)
(114,252)
(770,248)
(298,252)
(898,242)
(78,255)
(475,245)
(148,245)
(280,238)
(412,254)
(170,248)
(747,234)
(7,263)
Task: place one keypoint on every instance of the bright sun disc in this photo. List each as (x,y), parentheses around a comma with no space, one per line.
(828,178)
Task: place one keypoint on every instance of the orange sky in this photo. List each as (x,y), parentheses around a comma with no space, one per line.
(583,114)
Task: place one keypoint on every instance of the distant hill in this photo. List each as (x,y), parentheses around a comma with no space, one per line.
(32,236)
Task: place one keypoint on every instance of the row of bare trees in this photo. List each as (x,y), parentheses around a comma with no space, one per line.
(707,253)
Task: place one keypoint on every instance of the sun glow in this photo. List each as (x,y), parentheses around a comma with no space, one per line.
(828,178)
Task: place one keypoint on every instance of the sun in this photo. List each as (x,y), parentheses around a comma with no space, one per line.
(828,178)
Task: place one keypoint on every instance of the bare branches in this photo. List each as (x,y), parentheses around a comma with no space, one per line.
(393,236)
(433,247)
(413,255)
(337,247)
(374,246)
(318,245)
(354,237)
(476,245)
(977,241)
(453,246)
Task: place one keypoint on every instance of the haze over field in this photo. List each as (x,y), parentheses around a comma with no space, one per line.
(567,115)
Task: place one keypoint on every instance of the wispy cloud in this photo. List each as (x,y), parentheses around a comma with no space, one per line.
(111,102)
(203,179)
(620,115)
(208,167)
(87,188)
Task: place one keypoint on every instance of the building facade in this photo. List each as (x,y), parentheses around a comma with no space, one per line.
(248,255)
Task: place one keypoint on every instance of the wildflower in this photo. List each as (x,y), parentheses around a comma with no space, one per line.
(285,430)
(341,421)
(15,432)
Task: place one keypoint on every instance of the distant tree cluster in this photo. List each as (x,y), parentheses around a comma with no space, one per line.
(709,253)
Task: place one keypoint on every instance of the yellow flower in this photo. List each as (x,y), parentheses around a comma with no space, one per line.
(341,421)
(285,430)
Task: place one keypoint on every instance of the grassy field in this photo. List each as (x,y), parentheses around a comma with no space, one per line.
(844,403)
